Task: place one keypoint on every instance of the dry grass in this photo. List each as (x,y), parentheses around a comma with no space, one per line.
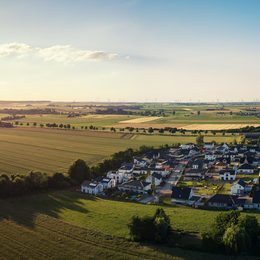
(187,126)
(140,120)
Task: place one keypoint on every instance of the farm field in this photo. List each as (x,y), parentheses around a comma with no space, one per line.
(54,150)
(69,225)
(190,126)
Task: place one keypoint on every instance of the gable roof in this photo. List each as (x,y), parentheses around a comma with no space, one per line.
(246,166)
(181,193)
(156,175)
(224,198)
(240,182)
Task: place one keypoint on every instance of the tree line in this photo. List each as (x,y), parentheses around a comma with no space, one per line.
(33,182)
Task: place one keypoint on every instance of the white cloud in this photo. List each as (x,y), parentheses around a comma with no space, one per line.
(14,48)
(57,53)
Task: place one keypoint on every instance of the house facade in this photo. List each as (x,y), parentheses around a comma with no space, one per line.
(238,188)
(227,175)
(182,195)
(91,187)
(135,186)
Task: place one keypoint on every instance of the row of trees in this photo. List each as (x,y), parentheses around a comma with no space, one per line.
(17,185)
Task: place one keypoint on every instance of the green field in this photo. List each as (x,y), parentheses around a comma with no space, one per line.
(50,150)
(68,225)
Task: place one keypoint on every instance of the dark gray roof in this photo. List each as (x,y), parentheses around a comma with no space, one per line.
(133,183)
(182,193)
(256,196)
(157,175)
(224,198)
(246,166)
(240,182)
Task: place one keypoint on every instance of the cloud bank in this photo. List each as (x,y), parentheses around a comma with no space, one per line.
(57,53)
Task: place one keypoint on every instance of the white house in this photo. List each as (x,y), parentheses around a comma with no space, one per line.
(154,178)
(238,187)
(91,187)
(108,183)
(227,175)
(140,170)
(140,162)
(118,177)
(209,146)
(210,156)
(187,146)
(126,168)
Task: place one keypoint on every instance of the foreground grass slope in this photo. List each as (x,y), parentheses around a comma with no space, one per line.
(49,150)
(68,225)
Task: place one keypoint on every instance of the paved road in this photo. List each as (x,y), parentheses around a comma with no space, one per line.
(172,180)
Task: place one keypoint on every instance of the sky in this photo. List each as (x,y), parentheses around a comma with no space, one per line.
(130,50)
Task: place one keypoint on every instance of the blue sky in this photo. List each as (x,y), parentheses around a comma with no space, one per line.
(130,50)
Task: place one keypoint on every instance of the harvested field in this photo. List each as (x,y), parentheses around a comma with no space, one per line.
(186,126)
(140,120)
(54,150)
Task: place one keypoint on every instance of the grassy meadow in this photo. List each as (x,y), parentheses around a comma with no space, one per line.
(54,150)
(68,225)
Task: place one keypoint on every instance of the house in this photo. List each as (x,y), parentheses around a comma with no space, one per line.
(209,146)
(118,177)
(162,171)
(182,195)
(210,156)
(187,146)
(140,170)
(108,183)
(91,187)
(223,201)
(238,187)
(126,168)
(227,175)
(195,174)
(256,199)
(197,164)
(135,186)
(246,169)
(219,166)
(154,178)
(140,162)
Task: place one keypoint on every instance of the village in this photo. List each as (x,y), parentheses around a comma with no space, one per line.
(225,176)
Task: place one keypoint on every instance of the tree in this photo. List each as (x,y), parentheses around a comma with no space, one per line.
(156,228)
(236,240)
(79,171)
(250,224)
(150,130)
(200,140)
(198,113)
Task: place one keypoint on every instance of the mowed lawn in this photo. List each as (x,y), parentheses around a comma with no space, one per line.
(51,150)
(68,225)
